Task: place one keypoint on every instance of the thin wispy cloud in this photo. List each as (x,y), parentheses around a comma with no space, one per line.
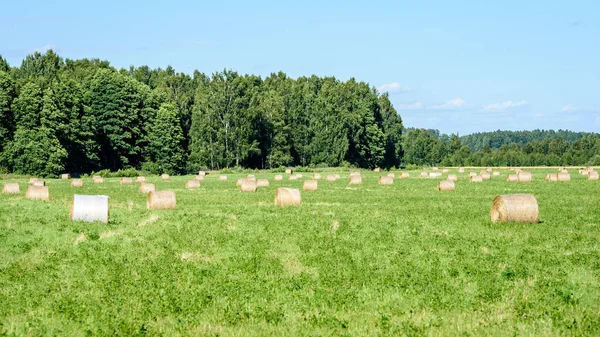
(504,105)
(410,106)
(450,104)
(569,108)
(575,108)
(393,87)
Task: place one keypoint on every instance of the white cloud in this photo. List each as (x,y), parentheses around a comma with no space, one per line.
(410,106)
(539,114)
(569,108)
(504,105)
(450,104)
(393,87)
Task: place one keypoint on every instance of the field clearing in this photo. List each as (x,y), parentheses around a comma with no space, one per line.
(355,260)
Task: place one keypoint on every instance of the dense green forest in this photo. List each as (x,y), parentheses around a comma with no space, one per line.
(60,115)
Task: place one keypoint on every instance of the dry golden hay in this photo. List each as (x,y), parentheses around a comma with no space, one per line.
(476,179)
(262,183)
(140,179)
(32,180)
(278,177)
(76,183)
(517,170)
(452,177)
(331,178)
(199,178)
(37,193)
(355,180)
(512,178)
(496,173)
(98,180)
(583,172)
(191,184)
(316,176)
(445,185)
(404,175)
(485,175)
(434,168)
(391,175)
(65,176)
(355,174)
(515,208)
(593,175)
(251,177)
(424,175)
(292,177)
(524,176)
(434,174)
(561,168)
(287,196)
(223,178)
(39,183)
(164,177)
(146,188)
(461,170)
(89,208)
(201,173)
(563,171)
(12,188)
(386,180)
(590,168)
(564,176)
(161,200)
(310,185)
(552,177)
(445,171)
(248,185)
(377,170)
(472,174)
(288,171)
(238,182)
(126,181)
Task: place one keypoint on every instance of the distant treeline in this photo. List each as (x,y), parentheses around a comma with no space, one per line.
(80,116)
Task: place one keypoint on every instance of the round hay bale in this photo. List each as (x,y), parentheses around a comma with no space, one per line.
(476,179)
(146,188)
(161,200)
(590,168)
(515,208)
(563,176)
(32,180)
(552,177)
(583,172)
(485,175)
(247,185)
(386,180)
(223,178)
(98,180)
(262,183)
(445,185)
(201,173)
(331,178)
(140,179)
(76,183)
(292,177)
(424,175)
(435,168)
(377,170)
(391,175)
(199,178)
(564,171)
(461,170)
(488,169)
(404,175)
(37,193)
(192,184)
(561,168)
(316,176)
(593,175)
(310,185)
(496,173)
(287,196)
(164,177)
(65,176)
(12,188)
(472,174)
(251,177)
(89,208)
(524,177)
(445,171)
(513,178)
(298,175)
(433,174)
(355,180)
(278,177)
(452,177)
(39,183)
(355,174)
(337,176)
(126,181)
(288,171)
(238,182)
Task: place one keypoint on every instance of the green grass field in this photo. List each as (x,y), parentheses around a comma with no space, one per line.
(350,261)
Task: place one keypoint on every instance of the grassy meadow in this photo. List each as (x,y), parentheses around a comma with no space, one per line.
(357,260)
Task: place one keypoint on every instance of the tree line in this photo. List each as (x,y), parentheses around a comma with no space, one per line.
(60,115)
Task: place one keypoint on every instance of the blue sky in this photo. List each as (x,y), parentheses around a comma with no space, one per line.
(457,66)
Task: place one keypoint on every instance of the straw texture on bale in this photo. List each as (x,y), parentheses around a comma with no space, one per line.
(404,175)
(65,176)
(161,200)
(310,185)
(126,181)
(355,180)
(476,179)
(278,177)
(287,196)
(248,185)
(524,176)
(552,177)
(191,184)
(485,175)
(496,173)
(76,183)
(593,175)
(424,175)
(386,180)
(12,188)
(262,183)
(292,177)
(98,180)
(515,208)
(146,188)
(164,177)
(140,179)
(377,170)
(288,171)
(445,185)
(39,183)
(89,208)
(461,170)
(32,180)
(512,178)
(199,178)
(452,177)
(201,173)
(564,176)
(37,193)
(316,176)
(223,178)
(331,178)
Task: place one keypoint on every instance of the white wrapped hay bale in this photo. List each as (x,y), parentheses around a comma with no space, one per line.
(287,197)
(12,188)
(161,200)
(89,208)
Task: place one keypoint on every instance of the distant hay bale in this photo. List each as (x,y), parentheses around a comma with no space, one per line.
(39,183)
(98,180)
(517,170)
(452,177)
(424,175)
(404,175)
(278,177)
(524,176)
(564,171)
(201,173)
(288,171)
(32,180)
(496,173)
(331,178)
(262,183)
(489,169)
(76,183)
(386,180)
(461,170)
(561,168)
(223,178)
(377,170)
(445,185)
(590,168)
(199,178)
(310,185)
(126,181)
(391,175)
(146,188)
(513,178)
(593,175)
(584,172)
(164,177)
(485,175)
(251,177)
(161,200)
(287,197)
(65,176)
(298,175)
(37,193)
(434,174)
(476,179)
(515,208)
(89,208)
(445,171)
(316,176)
(552,177)
(337,176)
(12,188)
(247,185)
(564,176)
(472,174)
(292,177)
(192,184)
(355,180)
(434,168)
(140,179)
(355,174)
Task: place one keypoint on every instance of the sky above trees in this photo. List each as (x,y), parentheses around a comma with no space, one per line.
(459,67)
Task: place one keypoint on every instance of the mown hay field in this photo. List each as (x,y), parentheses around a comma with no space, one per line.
(352,260)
